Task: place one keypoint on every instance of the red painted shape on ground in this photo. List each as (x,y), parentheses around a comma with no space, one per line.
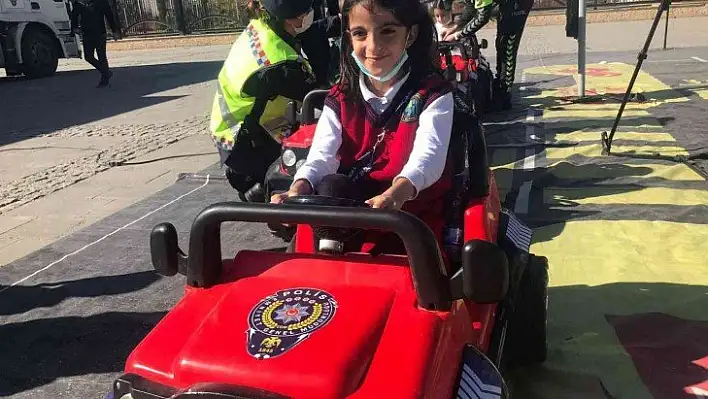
(670,353)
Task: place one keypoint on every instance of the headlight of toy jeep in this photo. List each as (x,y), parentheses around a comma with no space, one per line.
(289,158)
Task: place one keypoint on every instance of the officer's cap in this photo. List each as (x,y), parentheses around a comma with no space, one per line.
(286,9)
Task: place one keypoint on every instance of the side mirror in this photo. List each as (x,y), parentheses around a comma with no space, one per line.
(483,43)
(484,276)
(167,257)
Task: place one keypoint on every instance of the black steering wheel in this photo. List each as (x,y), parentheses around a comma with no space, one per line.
(339,234)
(325,200)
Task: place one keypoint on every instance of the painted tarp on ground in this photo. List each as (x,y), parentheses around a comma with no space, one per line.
(626,235)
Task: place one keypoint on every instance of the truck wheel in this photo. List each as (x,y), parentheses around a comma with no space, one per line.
(527,342)
(39,56)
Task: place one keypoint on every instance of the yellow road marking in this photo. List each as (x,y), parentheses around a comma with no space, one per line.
(676,172)
(592,114)
(610,78)
(625,194)
(601,267)
(595,150)
(594,252)
(582,135)
(699,87)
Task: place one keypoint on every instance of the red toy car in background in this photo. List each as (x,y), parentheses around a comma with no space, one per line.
(463,63)
(310,324)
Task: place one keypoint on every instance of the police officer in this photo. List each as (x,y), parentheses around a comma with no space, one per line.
(263,70)
(510,27)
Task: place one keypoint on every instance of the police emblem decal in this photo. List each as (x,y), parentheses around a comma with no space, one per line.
(284,319)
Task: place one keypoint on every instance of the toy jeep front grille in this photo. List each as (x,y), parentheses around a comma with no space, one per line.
(132,386)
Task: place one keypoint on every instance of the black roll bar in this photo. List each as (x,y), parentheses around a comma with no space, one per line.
(307,113)
(204,262)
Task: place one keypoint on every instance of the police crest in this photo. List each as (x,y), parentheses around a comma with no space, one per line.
(284,319)
(413,109)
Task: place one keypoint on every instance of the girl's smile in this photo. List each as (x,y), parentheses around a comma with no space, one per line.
(378,39)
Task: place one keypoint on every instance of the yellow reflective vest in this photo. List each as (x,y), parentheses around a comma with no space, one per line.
(256,48)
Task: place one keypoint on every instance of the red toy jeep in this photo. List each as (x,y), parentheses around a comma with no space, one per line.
(333,324)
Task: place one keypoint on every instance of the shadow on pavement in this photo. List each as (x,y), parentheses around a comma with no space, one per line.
(631,340)
(70,98)
(38,352)
(22,298)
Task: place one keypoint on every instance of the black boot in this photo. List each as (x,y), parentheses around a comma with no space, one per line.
(105,80)
(501,98)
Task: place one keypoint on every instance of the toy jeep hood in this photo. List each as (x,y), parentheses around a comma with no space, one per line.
(270,325)
(305,327)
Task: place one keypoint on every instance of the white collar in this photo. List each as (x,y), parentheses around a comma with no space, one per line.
(387,97)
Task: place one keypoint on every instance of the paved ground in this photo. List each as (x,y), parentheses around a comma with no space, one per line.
(81,224)
(623,236)
(61,131)
(63,136)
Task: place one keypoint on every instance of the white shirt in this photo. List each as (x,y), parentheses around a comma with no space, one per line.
(427,159)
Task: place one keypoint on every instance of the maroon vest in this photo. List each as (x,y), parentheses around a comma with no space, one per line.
(361,127)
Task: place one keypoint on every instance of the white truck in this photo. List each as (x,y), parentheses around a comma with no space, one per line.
(34,34)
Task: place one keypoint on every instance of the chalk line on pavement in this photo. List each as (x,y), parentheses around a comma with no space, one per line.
(89,245)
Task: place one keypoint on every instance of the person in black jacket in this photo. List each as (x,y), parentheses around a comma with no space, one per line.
(315,44)
(90,16)
(510,28)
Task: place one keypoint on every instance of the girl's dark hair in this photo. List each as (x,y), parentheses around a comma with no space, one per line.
(442,5)
(423,59)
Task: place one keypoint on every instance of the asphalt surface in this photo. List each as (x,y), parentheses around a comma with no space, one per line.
(72,311)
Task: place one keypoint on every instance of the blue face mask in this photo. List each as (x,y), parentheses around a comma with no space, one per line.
(388,76)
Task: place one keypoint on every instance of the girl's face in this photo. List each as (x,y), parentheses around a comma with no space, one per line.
(378,39)
(443,17)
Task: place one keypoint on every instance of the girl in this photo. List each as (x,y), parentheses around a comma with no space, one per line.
(386,125)
(442,10)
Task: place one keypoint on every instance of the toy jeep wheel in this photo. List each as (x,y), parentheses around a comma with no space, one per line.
(527,341)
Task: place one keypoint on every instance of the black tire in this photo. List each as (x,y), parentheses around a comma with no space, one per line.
(484,95)
(39,54)
(526,341)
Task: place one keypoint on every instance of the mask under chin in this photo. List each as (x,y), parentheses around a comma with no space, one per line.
(384,77)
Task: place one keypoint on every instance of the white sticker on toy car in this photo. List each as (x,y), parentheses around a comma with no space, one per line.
(284,319)
(517,232)
(479,377)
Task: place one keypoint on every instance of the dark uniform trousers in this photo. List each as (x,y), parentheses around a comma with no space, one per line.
(512,18)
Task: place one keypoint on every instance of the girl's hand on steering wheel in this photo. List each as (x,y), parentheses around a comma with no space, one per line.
(384,201)
(400,191)
(300,187)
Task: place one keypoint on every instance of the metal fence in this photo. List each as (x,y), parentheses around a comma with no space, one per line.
(561,4)
(160,17)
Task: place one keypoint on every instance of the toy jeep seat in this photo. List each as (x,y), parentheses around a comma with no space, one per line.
(468,150)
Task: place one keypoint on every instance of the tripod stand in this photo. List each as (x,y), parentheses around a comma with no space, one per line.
(607,139)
